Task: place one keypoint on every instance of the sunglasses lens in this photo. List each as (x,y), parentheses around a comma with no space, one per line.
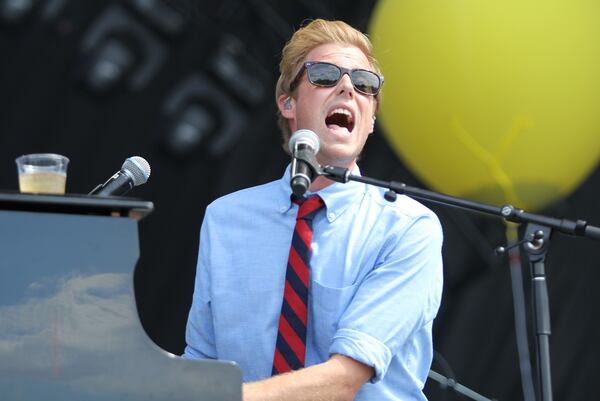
(325,74)
(322,74)
(365,82)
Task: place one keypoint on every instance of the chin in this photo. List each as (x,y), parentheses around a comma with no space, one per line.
(338,159)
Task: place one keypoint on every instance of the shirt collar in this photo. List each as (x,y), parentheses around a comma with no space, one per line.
(337,197)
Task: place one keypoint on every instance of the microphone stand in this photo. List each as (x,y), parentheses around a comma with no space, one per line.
(507,212)
(536,243)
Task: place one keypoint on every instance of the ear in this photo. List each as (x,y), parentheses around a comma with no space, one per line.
(372,125)
(287,106)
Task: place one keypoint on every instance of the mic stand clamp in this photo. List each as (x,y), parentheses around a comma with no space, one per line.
(337,174)
(534,241)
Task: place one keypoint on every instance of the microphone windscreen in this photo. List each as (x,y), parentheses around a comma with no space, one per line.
(138,168)
(306,137)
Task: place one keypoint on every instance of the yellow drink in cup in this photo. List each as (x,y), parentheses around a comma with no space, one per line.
(47,183)
(42,173)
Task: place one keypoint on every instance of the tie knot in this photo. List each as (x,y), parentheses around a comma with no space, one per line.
(308,206)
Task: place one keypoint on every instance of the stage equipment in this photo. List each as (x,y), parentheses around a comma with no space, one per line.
(239,72)
(13,12)
(161,15)
(199,115)
(118,50)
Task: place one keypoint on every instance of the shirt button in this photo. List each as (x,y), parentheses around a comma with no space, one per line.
(331,216)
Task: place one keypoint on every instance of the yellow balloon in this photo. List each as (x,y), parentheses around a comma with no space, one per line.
(496,101)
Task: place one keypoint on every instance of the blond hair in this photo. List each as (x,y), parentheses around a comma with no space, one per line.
(317,32)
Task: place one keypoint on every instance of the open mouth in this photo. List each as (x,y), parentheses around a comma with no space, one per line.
(340,118)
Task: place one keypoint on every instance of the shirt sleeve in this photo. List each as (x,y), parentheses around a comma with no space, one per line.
(398,297)
(199,334)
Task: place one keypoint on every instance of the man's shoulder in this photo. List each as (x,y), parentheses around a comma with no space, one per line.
(246,197)
(403,206)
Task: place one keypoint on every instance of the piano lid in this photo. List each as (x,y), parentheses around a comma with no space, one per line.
(76,204)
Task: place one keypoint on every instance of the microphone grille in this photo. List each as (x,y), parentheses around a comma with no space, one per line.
(306,137)
(138,168)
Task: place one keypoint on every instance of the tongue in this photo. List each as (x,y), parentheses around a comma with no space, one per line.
(335,127)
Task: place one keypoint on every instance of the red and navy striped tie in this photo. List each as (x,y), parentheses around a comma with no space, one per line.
(291,336)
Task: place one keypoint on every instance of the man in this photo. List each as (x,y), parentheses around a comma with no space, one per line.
(375,271)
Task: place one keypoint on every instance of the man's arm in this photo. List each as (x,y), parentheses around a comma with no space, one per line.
(199,332)
(337,379)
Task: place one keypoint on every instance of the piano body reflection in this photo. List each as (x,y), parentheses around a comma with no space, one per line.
(69,328)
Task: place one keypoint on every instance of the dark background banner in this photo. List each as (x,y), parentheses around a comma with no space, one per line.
(189,86)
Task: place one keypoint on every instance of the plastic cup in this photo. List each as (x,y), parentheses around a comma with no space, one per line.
(44,173)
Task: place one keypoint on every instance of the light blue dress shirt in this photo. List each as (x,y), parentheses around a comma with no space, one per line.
(375,283)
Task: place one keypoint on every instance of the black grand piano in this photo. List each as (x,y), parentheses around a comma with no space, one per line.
(69,328)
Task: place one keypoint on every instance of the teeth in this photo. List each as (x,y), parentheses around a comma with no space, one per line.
(341,111)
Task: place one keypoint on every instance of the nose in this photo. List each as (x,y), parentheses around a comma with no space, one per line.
(345,84)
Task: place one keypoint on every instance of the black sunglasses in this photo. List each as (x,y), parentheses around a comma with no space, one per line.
(327,74)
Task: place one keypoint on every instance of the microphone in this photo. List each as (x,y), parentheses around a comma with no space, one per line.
(135,171)
(303,146)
